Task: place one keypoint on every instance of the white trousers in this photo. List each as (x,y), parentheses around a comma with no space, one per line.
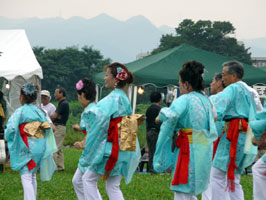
(85,186)
(259,180)
(207,195)
(184,196)
(79,188)
(218,186)
(29,184)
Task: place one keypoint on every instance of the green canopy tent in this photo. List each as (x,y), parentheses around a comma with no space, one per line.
(263,68)
(162,69)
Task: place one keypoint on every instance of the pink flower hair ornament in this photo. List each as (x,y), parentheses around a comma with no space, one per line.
(79,85)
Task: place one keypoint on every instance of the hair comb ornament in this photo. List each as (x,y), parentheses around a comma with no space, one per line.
(122,75)
(29,88)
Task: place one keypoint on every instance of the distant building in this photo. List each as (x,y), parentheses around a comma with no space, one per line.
(240,43)
(142,55)
(258,62)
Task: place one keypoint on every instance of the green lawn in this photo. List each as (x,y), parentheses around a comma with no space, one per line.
(142,187)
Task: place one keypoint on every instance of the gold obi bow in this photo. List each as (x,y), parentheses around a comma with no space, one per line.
(36,129)
(128,129)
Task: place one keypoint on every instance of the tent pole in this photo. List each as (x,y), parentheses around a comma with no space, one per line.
(101,92)
(97,93)
(134,99)
(130,93)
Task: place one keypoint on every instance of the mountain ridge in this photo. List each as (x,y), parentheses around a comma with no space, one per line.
(119,40)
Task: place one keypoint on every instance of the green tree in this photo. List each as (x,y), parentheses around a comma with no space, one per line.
(64,67)
(211,36)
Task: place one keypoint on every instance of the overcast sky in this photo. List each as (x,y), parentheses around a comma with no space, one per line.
(247,16)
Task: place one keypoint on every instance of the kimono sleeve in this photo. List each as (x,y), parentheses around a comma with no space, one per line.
(12,126)
(82,123)
(223,101)
(258,126)
(164,157)
(94,147)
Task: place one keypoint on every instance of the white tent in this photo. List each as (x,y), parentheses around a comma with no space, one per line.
(18,65)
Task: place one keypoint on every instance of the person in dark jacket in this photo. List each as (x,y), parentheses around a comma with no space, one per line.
(152,128)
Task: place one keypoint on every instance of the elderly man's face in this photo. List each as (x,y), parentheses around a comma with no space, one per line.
(227,78)
(45,99)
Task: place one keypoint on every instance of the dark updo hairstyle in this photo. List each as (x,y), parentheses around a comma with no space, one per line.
(89,89)
(113,68)
(30,98)
(192,72)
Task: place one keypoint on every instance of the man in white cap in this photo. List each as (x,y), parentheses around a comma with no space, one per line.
(46,105)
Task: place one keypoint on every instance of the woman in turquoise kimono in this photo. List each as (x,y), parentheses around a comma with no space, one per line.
(86,91)
(192,118)
(31,141)
(102,155)
(258,127)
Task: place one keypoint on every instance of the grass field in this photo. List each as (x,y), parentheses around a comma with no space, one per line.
(142,187)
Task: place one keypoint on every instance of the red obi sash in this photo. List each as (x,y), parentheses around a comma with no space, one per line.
(114,138)
(31,164)
(182,167)
(232,136)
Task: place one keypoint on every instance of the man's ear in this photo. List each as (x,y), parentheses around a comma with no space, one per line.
(235,75)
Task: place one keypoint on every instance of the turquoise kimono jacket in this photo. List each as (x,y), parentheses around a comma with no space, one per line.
(97,149)
(219,123)
(40,150)
(258,127)
(235,101)
(85,125)
(192,110)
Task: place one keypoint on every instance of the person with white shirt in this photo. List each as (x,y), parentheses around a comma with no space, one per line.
(46,105)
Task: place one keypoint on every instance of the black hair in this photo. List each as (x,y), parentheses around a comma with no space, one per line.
(192,72)
(235,67)
(121,83)
(89,89)
(218,77)
(62,90)
(155,97)
(30,98)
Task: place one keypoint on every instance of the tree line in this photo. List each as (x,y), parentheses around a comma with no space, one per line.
(217,37)
(64,67)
